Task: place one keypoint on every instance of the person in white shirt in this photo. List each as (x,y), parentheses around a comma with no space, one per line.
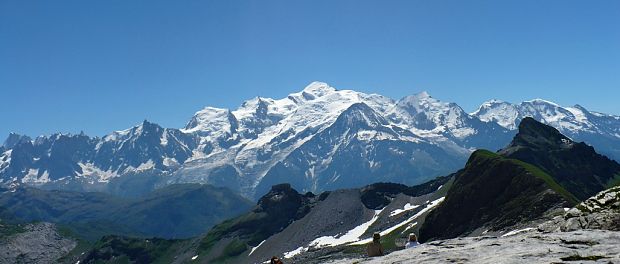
(413,241)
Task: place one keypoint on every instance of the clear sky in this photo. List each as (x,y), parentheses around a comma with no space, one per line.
(100,66)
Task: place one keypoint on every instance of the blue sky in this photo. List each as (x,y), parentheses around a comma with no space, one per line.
(100,66)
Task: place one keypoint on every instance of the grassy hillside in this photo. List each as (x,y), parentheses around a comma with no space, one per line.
(494,192)
(577,167)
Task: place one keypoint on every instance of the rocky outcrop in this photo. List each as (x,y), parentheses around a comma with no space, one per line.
(38,243)
(602,211)
(525,247)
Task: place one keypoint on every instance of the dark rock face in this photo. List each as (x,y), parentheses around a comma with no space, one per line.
(575,166)
(378,195)
(283,204)
(14,139)
(274,211)
(491,192)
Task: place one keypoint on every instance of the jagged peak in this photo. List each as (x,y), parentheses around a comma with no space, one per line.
(14,139)
(361,112)
(145,122)
(580,107)
(536,134)
(529,126)
(145,125)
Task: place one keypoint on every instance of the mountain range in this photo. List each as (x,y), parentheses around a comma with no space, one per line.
(496,194)
(318,139)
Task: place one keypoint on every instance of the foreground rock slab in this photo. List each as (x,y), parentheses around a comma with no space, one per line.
(583,246)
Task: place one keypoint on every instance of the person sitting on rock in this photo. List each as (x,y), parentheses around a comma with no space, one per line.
(374,248)
(413,241)
(276,260)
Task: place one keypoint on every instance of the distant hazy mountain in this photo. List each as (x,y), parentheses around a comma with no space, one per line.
(318,139)
(176,211)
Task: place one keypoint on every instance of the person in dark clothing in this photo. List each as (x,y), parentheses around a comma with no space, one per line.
(276,260)
(374,248)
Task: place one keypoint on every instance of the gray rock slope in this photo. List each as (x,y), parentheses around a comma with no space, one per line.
(39,243)
(584,246)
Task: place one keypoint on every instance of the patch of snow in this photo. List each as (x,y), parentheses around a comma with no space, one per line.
(170,162)
(514,232)
(463,132)
(352,235)
(295,252)
(45,177)
(117,134)
(5,160)
(256,247)
(146,166)
(429,206)
(31,176)
(541,101)
(407,207)
(90,170)
(578,114)
(164,138)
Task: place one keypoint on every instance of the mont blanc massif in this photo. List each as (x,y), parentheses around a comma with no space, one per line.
(310,178)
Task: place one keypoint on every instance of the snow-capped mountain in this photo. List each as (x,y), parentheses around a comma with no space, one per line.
(597,129)
(317,139)
(61,157)
(301,139)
